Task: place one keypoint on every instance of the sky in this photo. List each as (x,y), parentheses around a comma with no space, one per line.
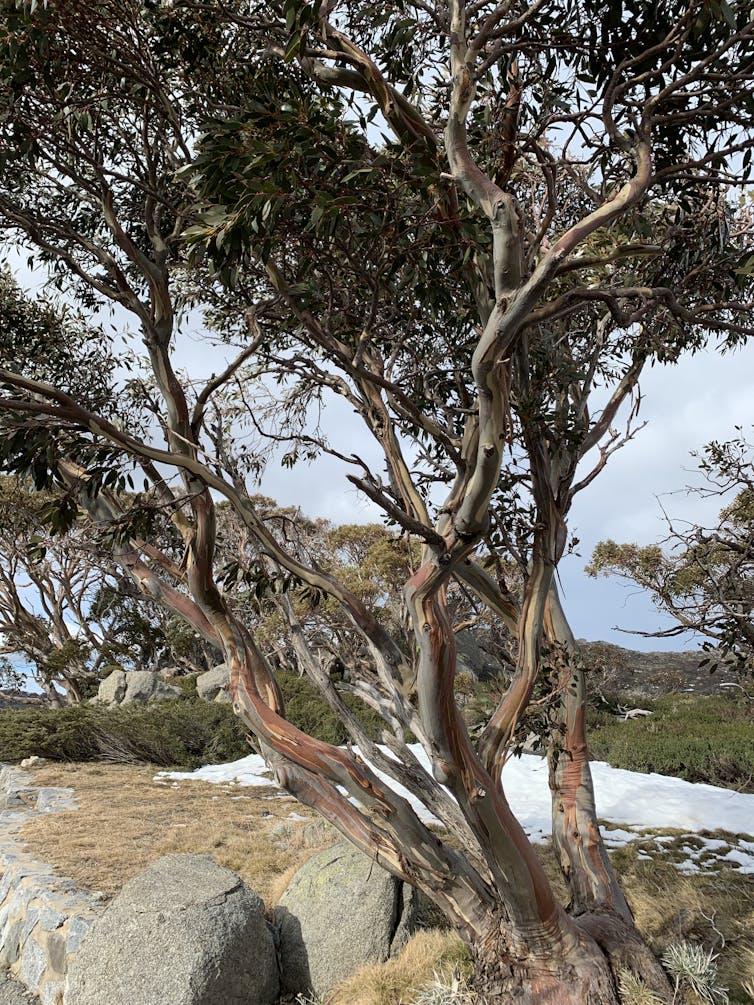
(703,397)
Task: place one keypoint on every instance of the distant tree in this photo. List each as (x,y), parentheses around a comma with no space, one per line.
(10,675)
(64,607)
(68,613)
(144,636)
(370,560)
(702,577)
(47,583)
(461,219)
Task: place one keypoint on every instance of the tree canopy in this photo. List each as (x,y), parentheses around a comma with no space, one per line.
(462,219)
(702,577)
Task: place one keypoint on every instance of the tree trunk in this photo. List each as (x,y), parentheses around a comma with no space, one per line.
(570,971)
(53,695)
(597,902)
(581,969)
(625,949)
(576,837)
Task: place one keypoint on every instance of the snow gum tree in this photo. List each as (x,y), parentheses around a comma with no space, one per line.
(461,220)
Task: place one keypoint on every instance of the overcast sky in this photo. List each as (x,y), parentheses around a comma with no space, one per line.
(699,399)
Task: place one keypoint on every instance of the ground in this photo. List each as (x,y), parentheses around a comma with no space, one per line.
(679,883)
(13,993)
(246,830)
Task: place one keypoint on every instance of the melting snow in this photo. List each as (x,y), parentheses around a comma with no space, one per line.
(636,801)
(745,860)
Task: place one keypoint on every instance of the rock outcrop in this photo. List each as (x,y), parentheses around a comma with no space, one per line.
(214,685)
(21,700)
(43,916)
(127,687)
(615,670)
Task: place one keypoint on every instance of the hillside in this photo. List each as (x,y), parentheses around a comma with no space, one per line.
(618,670)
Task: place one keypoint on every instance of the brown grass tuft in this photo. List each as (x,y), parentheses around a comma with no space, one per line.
(396,981)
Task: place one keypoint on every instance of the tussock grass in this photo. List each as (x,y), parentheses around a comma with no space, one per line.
(714,910)
(425,957)
(126,820)
(747,969)
(634,991)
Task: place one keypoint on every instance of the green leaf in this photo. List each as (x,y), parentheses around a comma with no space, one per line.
(290,14)
(293,48)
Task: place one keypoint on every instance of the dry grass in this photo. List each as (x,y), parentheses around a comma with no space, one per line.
(714,909)
(397,981)
(126,820)
(747,964)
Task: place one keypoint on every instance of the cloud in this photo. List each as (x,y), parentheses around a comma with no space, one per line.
(701,398)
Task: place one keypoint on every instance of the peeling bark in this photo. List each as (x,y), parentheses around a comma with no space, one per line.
(576,836)
(624,948)
(572,971)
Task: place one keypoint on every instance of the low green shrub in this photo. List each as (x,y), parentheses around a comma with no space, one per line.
(186,733)
(185,682)
(183,733)
(700,739)
(307,709)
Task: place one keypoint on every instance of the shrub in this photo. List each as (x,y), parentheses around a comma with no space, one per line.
(701,739)
(185,682)
(305,707)
(308,710)
(186,733)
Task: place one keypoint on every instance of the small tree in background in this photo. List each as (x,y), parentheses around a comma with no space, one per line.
(702,577)
(68,613)
(47,583)
(459,219)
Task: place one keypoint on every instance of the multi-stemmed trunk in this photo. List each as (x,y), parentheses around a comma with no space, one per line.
(527,948)
(597,902)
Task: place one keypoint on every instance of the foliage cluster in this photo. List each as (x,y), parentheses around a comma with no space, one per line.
(66,608)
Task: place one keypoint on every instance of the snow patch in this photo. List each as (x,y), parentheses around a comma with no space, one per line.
(632,801)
